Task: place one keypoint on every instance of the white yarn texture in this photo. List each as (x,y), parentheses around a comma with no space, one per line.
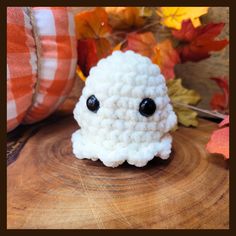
(117,132)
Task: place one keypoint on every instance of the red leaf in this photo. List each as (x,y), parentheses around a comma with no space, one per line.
(219,141)
(87,55)
(224,122)
(196,43)
(187,32)
(90,51)
(220,101)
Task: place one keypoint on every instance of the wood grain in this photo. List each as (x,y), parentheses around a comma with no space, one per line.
(49,188)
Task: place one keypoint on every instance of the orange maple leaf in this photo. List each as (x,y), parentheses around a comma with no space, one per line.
(166,57)
(141,43)
(92,24)
(219,140)
(92,27)
(162,54)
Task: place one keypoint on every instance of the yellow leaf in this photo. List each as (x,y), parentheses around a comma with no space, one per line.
(181,96)
(117,47)
(126,17)
(172,17)
(145,11)
(80,74)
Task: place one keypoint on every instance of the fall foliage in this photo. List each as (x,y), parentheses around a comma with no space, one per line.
(180,95)
(197,43)
(219,141)
(126,17)
(92,24)
(220,101)
(174,16)
(190,40)
(92,27)
(163,54)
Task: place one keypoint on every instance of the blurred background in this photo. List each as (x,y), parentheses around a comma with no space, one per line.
(195,75)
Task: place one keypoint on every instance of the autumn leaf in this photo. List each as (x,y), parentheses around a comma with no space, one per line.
(181,96)
(172,17)
(126,17)
(219,140)
(92,24)
(80,74)
(90,51)
(197,43)
(143,43)
(145,11)
(224,122)
(87,55)
(220,101)
(118,47)
(91,29)
(166,57)
(162,54)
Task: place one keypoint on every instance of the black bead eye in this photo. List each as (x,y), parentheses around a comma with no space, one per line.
(92,103)
(147,107)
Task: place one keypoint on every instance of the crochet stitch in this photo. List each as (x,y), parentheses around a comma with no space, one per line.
(114,130)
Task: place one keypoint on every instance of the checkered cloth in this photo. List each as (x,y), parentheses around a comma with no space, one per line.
(41,61)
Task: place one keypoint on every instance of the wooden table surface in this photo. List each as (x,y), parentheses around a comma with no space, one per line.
(47,187)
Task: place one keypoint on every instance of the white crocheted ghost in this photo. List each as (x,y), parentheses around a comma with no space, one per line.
(124,112)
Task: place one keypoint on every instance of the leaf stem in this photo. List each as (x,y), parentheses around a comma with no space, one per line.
(212,113)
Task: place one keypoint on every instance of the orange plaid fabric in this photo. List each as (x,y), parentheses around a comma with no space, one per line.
(21,65)
(41,62)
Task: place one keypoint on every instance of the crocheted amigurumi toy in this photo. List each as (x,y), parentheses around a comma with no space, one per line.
(124,112)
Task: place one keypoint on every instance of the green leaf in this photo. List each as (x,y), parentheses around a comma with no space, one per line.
(180,97)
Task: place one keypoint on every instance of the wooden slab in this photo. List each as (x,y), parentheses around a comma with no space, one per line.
(49,188)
